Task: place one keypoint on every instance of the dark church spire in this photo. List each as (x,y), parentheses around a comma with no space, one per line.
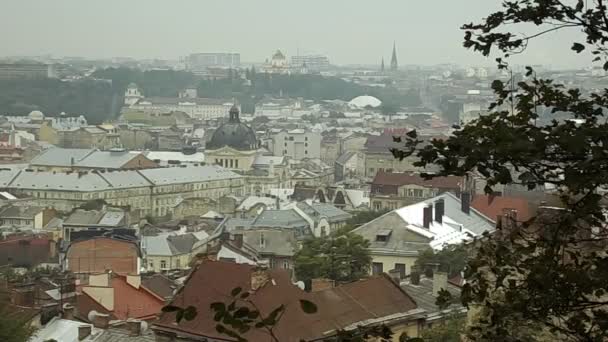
(394,63)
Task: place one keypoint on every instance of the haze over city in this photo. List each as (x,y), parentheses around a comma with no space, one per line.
(348,32)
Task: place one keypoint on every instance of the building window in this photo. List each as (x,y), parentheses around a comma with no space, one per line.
(401,269)
(305,152)
(285,144)
(284,152)
(262,240)
(151,264)
(286,264)
(178,263)
(163,264)
(236,163)
(306,145)
(231,163)
(305,138)
(377,268)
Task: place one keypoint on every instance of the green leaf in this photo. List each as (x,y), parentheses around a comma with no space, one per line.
(179,316)
(308,306)
(219,307)
(170,308)
(220,328)
(190,313)
(578,47)
(235,292)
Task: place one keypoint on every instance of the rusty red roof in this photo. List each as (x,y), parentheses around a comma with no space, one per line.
(492,206)
(406,178)
(338,308)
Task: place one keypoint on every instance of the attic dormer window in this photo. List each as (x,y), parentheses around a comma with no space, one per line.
(383,235)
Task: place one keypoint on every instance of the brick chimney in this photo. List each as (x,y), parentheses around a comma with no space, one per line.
(465,202)
(134,327)
(238,240)
(84,331)
(415,278)
(101,321)
(68,311)
(439,210)
(427,216)
(440,281)
(259,278)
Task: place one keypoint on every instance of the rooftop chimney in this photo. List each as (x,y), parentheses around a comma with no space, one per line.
(68,311)
(465,202)
(395,276)
(238,240)
(439,210)
(415,278)
(84,331)
(134,327)
(101,321)
(259,278)
(427,216)
(440,281)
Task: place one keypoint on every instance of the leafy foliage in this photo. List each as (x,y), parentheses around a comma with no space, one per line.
(449,330)
(242,314)
(96,100)
(545,276)
(188,313)
(13,325)
(451,259)
(341,257)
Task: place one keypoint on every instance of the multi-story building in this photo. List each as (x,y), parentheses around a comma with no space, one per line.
(392,190)
(147,192)
(378,155)
(297,144)
(199,61)
(312,62)
(195,107)
(19,71)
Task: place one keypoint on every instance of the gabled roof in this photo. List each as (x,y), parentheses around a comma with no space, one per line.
(83,158)
(372,300)
(345,157)
(492,206)
(406,178)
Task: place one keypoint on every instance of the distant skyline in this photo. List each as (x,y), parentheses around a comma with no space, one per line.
(348,32)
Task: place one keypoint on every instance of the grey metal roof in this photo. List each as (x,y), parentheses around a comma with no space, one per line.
(86,158)
(277,242)
(236,223)
(118,335)
(332,213)
(169,244)
(280,219)
(401,241)
(60,156)
(188,174)
(344,157)
(182,244)
(111,180)
(423,294)
(27,212)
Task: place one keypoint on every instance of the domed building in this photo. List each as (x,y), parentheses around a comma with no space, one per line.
(235,146)
(234,134)
(36,116)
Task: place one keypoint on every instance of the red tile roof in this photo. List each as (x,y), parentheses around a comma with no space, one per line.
(129,302)
(492,206)
(405,178)
(212,281)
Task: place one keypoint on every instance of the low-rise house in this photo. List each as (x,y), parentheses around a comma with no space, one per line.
(28,251)
(100,254)
(350,164)
(276,248)
(425,290)
(398,236)
(26,216)
(374,301)
(66,330)
(392,190)
(345,199)
(117,297)
(80,223)
(169,251)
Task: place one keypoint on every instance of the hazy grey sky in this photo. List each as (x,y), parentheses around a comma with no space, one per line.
(348,31)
